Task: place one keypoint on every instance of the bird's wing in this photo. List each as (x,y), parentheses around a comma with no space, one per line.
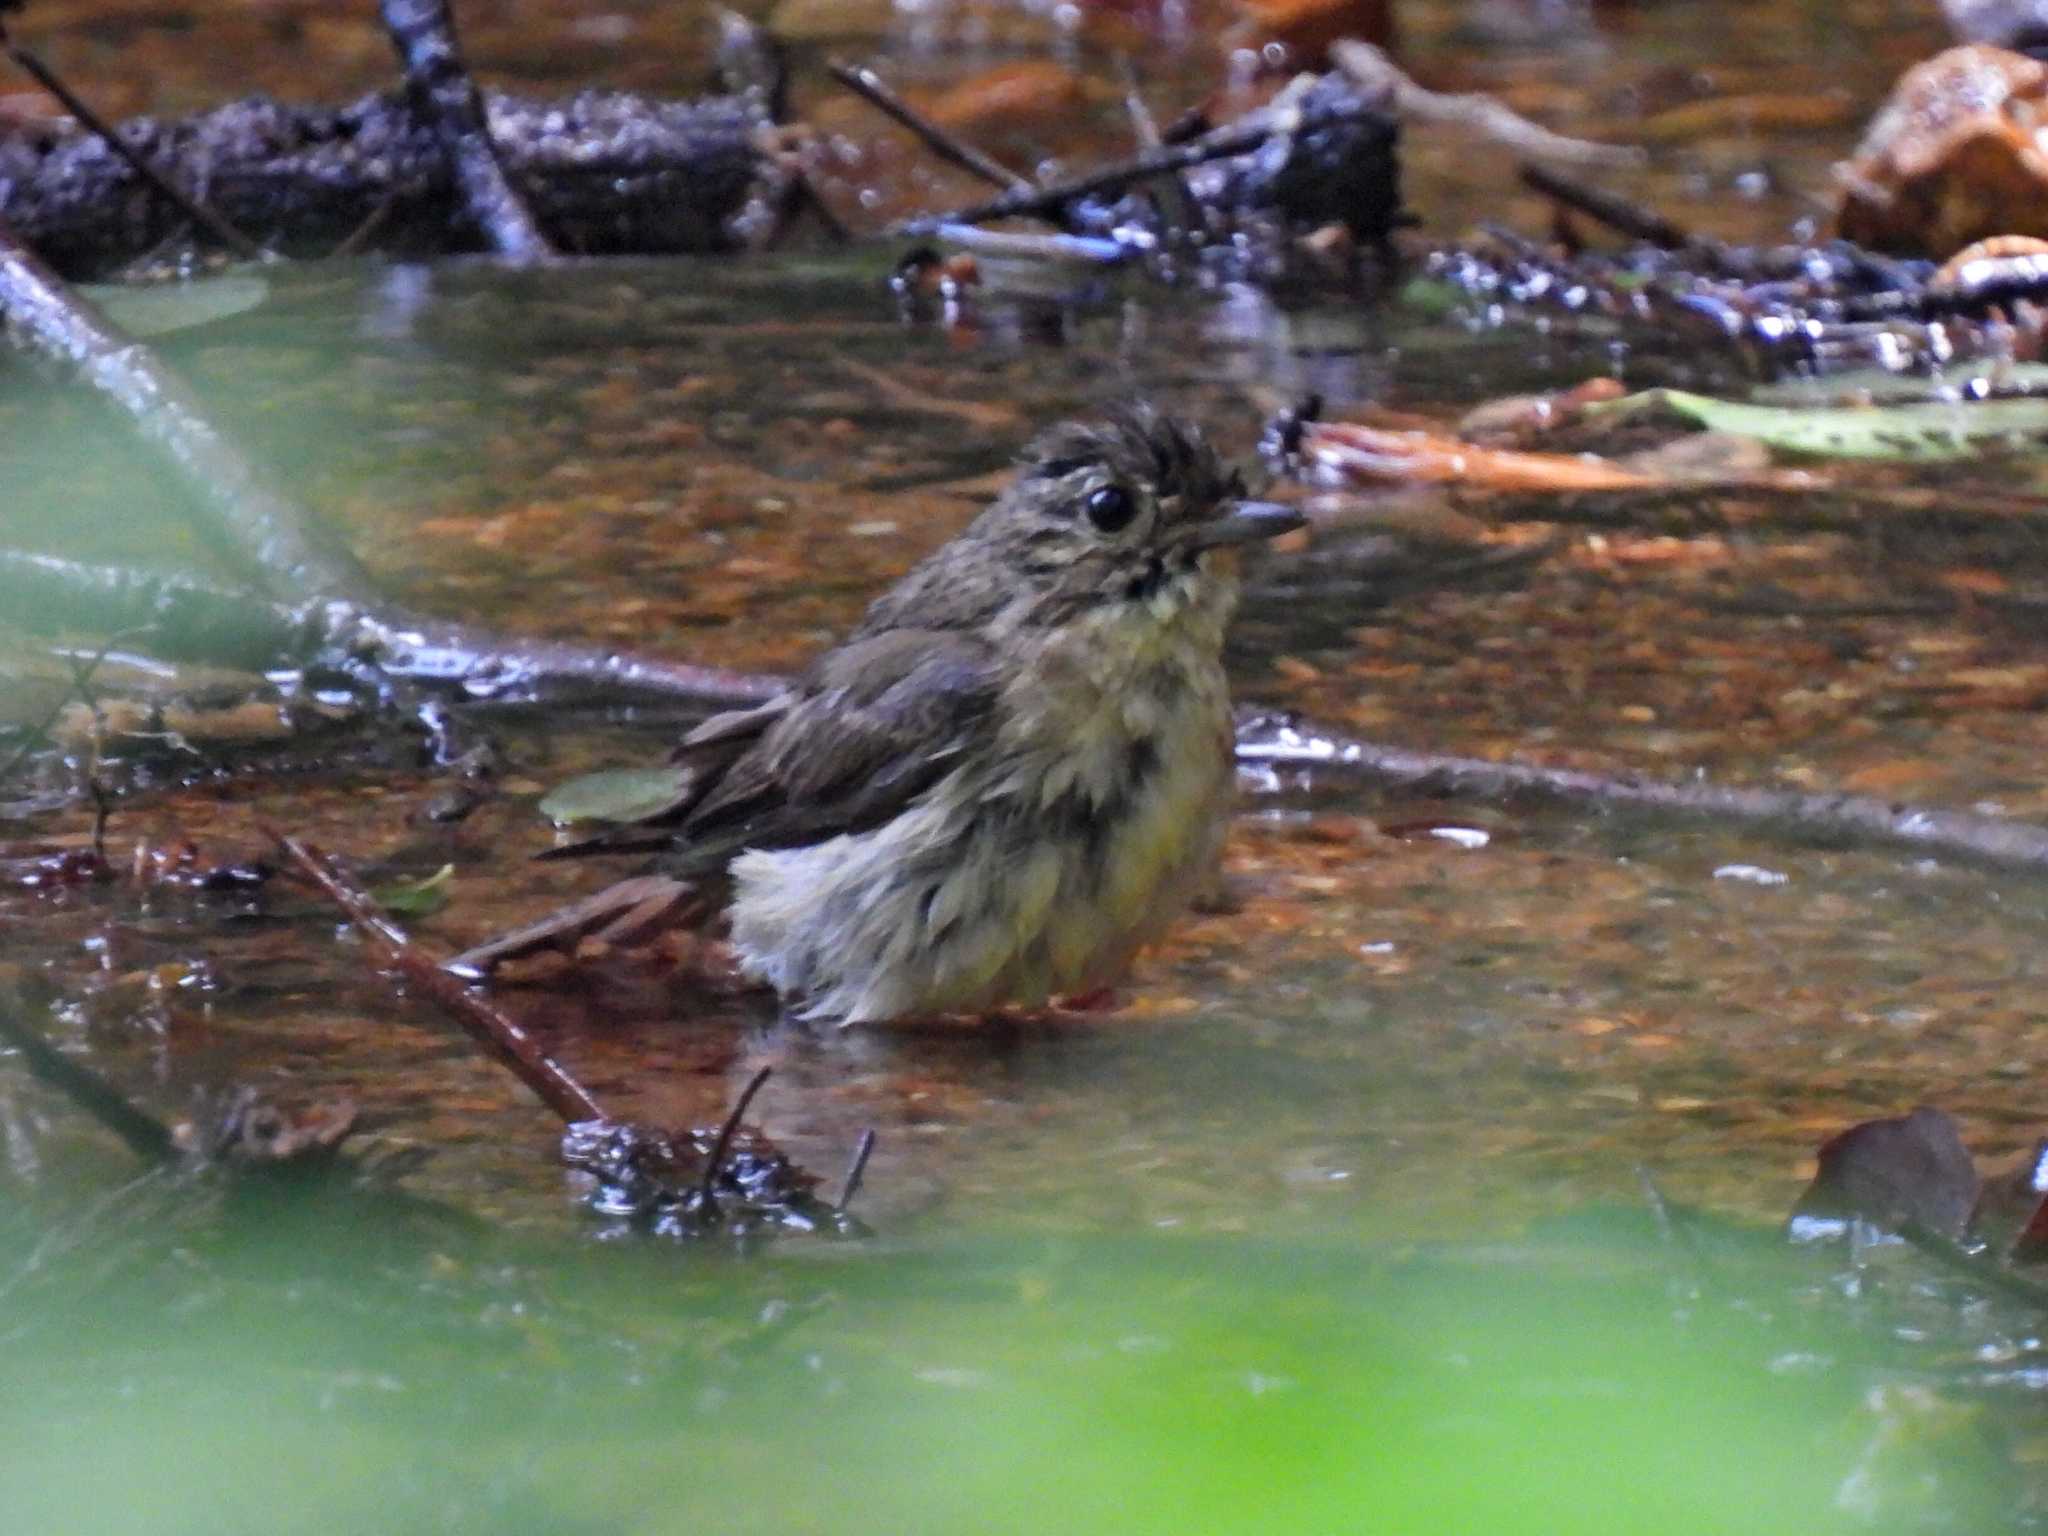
(874,724)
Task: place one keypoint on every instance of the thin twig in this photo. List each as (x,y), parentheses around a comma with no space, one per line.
(496,1031)
(868,85)
(484,665)
(1635,220)
(1047,199)
(804,196)
(1482,115)
(1033,245)
(81,679)
(197,211)
(723,1145)
(102,808)
(1675,1228)
(856,1170)
(1144,127)
(1177,200)
(353,243)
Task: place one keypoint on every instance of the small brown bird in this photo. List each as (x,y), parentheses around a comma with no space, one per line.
(1010,776)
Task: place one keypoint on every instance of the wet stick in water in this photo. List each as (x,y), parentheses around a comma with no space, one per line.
(1616,212)
(868,85)
(441,90)
(610,173)
(1046,201)
(856,1171)
(490,1026)
(1280,741)
(145,1135)
(309,593)
(81,688)
(258,527)
(1479,114)
(707,1191)
(637,1164)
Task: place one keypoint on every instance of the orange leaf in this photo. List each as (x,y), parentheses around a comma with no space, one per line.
(1354,453)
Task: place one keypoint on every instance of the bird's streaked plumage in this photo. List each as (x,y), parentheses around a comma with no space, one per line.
(1014,771)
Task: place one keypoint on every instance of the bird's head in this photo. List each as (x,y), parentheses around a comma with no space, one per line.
(1132,509)
(1124,508)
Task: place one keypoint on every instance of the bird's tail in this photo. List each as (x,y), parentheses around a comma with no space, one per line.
(625,915)
(617,840)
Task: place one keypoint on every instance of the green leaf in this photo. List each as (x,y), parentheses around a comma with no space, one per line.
(417,898)
(164,307)
(1432,298)
(616,795)
(1854,388)
(1927,432)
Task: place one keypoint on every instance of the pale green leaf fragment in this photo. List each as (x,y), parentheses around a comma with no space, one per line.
(1432,298)
(165,307)
(616,795)
(417,898)
(1926,432)
(1855,388)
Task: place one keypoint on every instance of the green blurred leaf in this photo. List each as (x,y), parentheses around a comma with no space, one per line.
(166,307)
(1927,432)
(1432,298)
(617,794)
(1854,388)
(417,898)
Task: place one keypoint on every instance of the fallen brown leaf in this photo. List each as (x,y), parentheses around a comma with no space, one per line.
(1349,452)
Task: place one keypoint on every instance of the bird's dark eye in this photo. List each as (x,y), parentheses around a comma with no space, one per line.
(1110,508)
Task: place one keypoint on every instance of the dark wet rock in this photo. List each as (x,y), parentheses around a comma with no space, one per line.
(656,1181)
(1334,161)
(1909,1171)
(1323,161)
(607,172)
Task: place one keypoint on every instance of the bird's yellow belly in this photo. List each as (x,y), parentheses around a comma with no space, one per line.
(1034,871)
(971,900)
(1150,862)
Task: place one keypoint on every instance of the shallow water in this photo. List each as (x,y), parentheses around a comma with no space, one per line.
(1334,1220)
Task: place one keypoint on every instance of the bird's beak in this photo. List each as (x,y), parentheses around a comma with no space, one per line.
(1244,522)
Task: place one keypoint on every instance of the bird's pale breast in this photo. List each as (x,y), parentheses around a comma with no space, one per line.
(1039,867)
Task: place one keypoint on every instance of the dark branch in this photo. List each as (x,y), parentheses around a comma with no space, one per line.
(1046,201)
(145,1135)
(715,1160)
(502,1036)
(867,85)
(176,195)
(856,1170)
(1618,213)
